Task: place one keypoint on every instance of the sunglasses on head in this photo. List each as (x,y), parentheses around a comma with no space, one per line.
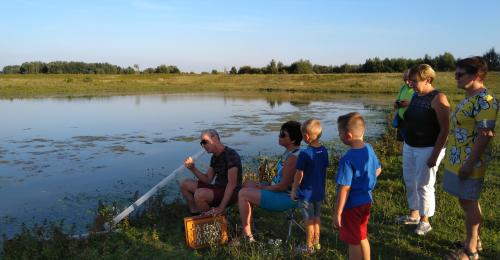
(203,142)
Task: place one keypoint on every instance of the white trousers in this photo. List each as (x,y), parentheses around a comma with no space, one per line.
(420,179)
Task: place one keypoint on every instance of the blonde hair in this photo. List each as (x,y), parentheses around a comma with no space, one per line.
(312,127)
(423,72)
(353,123)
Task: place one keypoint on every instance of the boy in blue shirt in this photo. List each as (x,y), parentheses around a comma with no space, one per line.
(311,176)
(356,177)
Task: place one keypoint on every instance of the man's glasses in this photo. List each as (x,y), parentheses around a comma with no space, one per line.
(203,142)
(458,75)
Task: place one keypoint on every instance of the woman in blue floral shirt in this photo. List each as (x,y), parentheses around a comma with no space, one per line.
(471,129)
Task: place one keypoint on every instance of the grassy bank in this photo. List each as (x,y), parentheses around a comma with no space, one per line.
(157,232)
(31,86)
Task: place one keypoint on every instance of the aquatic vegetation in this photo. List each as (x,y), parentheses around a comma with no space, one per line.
(184,138)
(155,230)
(91,138)
(119,149)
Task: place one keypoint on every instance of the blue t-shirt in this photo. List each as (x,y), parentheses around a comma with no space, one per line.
(313,161)
(357,169)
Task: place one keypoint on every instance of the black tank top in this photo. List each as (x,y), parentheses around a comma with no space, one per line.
(422,126)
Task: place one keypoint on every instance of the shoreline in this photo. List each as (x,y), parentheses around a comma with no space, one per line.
(13,86)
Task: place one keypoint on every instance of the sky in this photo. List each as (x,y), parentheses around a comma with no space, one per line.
(204,35)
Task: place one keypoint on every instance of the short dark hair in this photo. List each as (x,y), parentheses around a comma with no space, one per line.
(474,65)
(351,122)
(293,130)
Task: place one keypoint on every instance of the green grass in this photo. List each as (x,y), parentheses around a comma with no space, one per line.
(158,233)
(42,85)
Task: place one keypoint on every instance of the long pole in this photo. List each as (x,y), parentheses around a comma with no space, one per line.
(143,198)
(147,195)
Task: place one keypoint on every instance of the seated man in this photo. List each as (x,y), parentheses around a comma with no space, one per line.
(225,167)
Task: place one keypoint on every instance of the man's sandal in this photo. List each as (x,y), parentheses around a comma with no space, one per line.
(461,253)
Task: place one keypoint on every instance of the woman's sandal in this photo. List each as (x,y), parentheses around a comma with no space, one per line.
(460,253)
(461,244)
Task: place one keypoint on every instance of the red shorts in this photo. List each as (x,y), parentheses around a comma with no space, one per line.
(218,193)
(354,224)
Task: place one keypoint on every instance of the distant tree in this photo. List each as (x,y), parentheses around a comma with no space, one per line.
(233,70)
(272,68)
(399,64)
(430,61)
(33,67)
(244,70)
(445,62)
(214,72)
(249,70)
(387,65)
(301,67)
(322,69)
(11,69)
(167,69)
(373,65)
(280,67)
(136,68)
(492,59)
(128,70)
(149,71)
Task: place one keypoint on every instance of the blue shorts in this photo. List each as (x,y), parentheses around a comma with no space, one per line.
(469,189)
(310,209)
(276,200)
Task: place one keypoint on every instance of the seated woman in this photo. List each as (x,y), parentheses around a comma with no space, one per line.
(274,197)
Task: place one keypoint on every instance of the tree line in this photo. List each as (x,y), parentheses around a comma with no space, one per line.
(74,67)
(443,62)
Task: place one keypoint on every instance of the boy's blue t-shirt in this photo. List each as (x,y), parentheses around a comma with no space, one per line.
(357,169)
(313,161)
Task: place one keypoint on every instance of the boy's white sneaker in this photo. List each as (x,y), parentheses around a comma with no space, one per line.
(423,228)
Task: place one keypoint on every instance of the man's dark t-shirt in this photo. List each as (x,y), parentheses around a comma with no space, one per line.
(228,159)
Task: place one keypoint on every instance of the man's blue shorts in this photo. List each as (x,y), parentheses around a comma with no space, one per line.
(276,200)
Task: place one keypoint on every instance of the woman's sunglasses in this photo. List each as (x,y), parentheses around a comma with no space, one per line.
(203,142)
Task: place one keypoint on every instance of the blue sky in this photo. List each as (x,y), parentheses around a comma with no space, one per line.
(204,35)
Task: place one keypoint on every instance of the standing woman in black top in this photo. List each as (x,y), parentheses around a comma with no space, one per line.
(427,126)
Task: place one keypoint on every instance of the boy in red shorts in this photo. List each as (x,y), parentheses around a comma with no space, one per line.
(356,177)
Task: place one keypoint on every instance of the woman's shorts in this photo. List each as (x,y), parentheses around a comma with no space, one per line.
(469,189)
(276,200)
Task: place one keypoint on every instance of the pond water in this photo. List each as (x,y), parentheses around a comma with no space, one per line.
(60,156)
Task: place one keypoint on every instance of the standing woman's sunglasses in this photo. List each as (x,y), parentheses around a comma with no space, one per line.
(203,142)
